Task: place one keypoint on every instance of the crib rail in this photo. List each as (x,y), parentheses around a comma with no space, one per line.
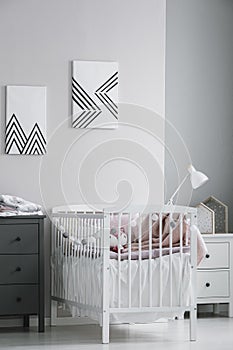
(80,245)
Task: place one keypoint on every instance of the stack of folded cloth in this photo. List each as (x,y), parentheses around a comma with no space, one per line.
(11,205)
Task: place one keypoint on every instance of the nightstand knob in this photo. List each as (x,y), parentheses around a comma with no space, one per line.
(18,239)
(18,299)
(207,256)
(18,269)
(207,284)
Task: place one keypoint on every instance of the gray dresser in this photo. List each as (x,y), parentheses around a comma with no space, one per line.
(22,267)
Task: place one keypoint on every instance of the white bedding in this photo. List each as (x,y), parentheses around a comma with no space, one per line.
(80,282)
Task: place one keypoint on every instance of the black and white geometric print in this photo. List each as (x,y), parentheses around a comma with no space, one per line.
(26,120)
(95,94)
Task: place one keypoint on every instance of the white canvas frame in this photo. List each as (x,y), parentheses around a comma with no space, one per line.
(25,120)
(94,94)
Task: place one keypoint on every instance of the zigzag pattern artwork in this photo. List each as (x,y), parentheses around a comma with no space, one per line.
(89,109)
(34,143)
(102,94)
(94,94)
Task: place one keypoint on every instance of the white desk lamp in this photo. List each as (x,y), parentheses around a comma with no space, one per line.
(197,179)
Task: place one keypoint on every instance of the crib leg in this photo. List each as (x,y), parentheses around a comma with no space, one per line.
(105,327)
(193,324)
(53,312)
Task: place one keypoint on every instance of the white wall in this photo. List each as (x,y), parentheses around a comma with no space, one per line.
(38,41)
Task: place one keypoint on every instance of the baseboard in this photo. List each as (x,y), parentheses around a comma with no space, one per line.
(18,321)
(60,321)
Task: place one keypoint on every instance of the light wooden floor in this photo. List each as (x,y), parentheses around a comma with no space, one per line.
(213,334)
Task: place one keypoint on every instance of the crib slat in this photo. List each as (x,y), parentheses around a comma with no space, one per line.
(80,231)
(61,247)
(129,261)
(63,252)
(140,259)
(170,256)
(85,223)
(102,239)
(119,261)
(150,260)
(93,233)
(68,242)
(181,260)
(65,243)
(104,255)
(160,260)
(98,238)
(87,227)
(57,257)
(60,257)
(72,252)
(89,259)
(54,228)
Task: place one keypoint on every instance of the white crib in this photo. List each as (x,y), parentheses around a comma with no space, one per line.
(85,277)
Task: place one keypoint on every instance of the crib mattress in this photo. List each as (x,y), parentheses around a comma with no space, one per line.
(83,281)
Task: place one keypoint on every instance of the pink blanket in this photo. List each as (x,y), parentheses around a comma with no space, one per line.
(186,232)
(155,253)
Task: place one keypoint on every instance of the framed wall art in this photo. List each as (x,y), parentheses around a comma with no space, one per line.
(94,94)
(25,120)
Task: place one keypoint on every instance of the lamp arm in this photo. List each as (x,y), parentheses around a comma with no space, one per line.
(177,190)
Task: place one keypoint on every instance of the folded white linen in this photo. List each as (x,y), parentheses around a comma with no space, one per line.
(12,205)
(15,212)
(18,204)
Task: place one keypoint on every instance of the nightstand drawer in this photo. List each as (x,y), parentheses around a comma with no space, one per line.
(18,269)
(19,239)
(217,256)
(212,284)
(16,300)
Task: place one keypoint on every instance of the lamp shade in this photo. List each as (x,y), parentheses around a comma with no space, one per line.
(197,178)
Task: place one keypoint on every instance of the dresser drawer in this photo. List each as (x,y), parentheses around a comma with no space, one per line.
(212,284)
(19,239)
(217,256)
(18,269)
(16,299)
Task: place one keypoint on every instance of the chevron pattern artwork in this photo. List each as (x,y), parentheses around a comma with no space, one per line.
(95,94)
(15,136)
(25,120)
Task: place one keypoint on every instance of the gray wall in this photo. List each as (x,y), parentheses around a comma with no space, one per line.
(199,96)
(38,41)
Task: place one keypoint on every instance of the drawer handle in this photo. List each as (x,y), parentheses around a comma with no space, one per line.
(18,269)
(207,256)
(207,284)
(18,239)
(18,299)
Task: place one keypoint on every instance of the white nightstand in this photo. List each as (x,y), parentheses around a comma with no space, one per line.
(215,273)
